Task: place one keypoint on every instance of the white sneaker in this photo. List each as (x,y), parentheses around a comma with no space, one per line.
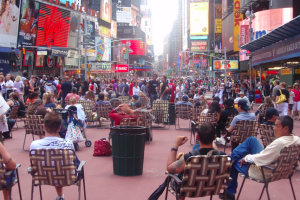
(221,141)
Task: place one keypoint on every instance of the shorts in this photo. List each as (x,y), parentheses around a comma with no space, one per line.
(291,106)
(296,106)
(8,179)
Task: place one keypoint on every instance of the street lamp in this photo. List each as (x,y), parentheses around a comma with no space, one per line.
(128,44)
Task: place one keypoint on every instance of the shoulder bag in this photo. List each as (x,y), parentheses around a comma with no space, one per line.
(281,99)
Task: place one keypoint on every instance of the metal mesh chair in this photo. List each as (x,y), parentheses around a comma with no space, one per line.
(34,125)
(262,113)
(204,175)
(283,168)
(9,174)
(267,134)
(124,99)
(160,110)
(55,167)
(196,111)
(89,109)
(145,121)
(102,111)
(183,111)
(14,114)
(242,130)
(115,102)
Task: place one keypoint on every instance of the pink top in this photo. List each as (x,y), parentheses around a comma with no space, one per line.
(297,95)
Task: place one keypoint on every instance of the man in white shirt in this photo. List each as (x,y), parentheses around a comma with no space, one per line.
(8,85)
(52,124)
(179,90)
(251,151)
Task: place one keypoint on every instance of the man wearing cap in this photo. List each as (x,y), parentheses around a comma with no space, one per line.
(242,116)
(242,96)
(271,115)
(184,101)
(172,88)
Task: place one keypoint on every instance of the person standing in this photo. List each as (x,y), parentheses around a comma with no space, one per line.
(2,85)
(18,84)
(296,107)
(66,88)
(291,101)
(283,106)
(165,91)
(136,89)
(50,86)
(12,58)
(131,87)
(116,86)
(77,84)
(8,86)
(172,88)
(179,90)
(275,90)
(151,89)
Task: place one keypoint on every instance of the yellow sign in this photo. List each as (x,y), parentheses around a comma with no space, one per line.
(238,17)
(218,27)
(297,71)
(285,71)
(199,18)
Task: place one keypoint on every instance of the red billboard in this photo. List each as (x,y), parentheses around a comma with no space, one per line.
(53,26)
(137,47)
(121,68)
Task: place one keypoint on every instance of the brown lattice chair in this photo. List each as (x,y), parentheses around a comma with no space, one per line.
(34,125)
(131,122)
(262,113)
(14,114)
(196,111)
(204,175)
(267,134)
(89,110)
(9,174)
(146,122)
(225,126)
(124,99)
(242,130)
(103,111)
(282,168)
(55,167)
(115,102)
(144,101)
(191,101)
(182,111)
(160,110)
(179,99)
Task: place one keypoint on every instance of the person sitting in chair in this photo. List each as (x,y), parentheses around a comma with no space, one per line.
(101,101)
(251,151)
(271,115)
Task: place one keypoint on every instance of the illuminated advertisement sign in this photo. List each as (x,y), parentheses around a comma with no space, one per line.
(53,26)
(198,45)
(124,15)
(105,10)
(73,35)
(199,18)
(103,51)
(121,68)
(10,22)
(28,25)
(238,17)
(230,65)
(137,47)
(133,18)
(113,31)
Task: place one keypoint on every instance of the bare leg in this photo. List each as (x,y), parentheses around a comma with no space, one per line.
(5,194)
(59,191)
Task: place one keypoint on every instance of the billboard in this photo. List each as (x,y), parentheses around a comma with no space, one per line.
(106,10)
(133,18)
(124,15)
(53,26)
(230,65)
(199,18)
(113,30)
(137,47)
(73,35)
(39,61)
(28,24)
(121,68)
(103,48)
(238,17)
(227,33)
(198,45)
(9,22)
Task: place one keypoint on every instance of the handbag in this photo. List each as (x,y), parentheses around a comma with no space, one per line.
(102,148)
(281,98)
(73,132)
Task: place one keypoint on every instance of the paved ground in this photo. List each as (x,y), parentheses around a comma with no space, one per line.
(101,183)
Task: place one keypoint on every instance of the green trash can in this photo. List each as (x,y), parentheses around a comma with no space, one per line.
(172,114)
(128,146)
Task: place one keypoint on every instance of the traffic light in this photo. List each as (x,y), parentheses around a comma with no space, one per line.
(24,51)
(174,64)
(180,56)
(124,50)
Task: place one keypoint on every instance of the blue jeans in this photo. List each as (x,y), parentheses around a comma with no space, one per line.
(166,97)
(8,179)
(153,97)
(249,146)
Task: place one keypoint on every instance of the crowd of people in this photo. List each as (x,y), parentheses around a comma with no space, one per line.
(40,96)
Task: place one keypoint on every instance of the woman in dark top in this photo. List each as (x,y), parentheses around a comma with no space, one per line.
(26,89)
(13,102)
(49,101)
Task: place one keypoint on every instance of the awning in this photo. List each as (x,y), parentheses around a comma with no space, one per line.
(287,30)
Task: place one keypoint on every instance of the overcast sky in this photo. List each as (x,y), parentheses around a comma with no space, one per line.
(164,12)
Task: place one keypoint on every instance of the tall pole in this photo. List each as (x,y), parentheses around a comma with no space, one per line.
(79,47)
(85,33)
(225,63)
(251,38)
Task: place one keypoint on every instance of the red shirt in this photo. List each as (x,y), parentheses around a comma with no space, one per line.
(92,87)
(297,95)
(58,86)
(131,89)
(172,87)
(117,117)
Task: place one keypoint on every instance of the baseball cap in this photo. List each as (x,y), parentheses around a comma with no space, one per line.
(271,112)
(171,80)
(185,98)
(243,103)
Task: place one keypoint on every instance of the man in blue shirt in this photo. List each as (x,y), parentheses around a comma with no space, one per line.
(102,102)
(66,88)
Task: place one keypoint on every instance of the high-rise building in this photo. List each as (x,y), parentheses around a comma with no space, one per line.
(144,2)
(146,23)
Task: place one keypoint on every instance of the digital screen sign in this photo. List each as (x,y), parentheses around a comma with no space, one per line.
(106,10)
(137,47)
(199,18)
(230,65)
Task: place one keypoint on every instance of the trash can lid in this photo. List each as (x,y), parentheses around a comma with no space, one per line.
(129,129)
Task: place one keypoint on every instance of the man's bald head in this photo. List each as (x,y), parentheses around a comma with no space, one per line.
(67,78)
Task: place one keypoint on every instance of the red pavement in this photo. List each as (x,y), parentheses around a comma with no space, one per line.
(101,183)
